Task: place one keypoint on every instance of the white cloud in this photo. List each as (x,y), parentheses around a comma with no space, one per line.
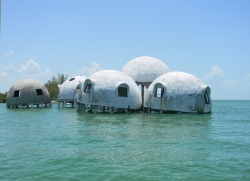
(230,82)
(32,68)
(247,76)
(9,53)
(86,71)
(215,72)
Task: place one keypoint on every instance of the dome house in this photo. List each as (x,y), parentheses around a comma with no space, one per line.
(109,89)
(178,92)
(27,93)
(68,91)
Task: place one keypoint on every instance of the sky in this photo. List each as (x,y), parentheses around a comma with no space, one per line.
(207,38)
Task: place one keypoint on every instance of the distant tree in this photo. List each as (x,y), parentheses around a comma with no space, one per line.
(3,97)
(52,85)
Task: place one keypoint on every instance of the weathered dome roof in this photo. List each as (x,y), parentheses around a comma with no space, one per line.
(109,79)
(105,85)
(145,69)
(179,83)
(68,90)
(27,92)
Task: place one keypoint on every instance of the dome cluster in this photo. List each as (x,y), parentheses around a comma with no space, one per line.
(144,84)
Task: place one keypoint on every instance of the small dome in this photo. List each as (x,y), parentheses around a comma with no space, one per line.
(27,92)
(145,70)
(110,88)
(68,90)
(178,91)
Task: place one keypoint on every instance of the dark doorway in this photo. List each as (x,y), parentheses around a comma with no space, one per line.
(122,92)
(88,88)
(159,92)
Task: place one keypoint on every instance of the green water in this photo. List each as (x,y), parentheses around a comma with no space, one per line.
(60,144)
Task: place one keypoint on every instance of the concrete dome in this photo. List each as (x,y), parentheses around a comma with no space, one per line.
(178,91)
(112,89)
(145,70)
(68,90)
(27,92)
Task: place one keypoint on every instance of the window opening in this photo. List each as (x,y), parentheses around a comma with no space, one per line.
(159,92)
(39,92)
(17,93)
(71,79)
(206,98)
(87,88)
(122,92)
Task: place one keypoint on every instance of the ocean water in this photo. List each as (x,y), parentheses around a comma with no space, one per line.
(60,144)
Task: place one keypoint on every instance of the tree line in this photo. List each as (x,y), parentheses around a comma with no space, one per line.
(51,85)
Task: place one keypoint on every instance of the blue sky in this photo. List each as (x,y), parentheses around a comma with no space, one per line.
(207,38)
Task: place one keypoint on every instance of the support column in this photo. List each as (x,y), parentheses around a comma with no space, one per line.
(95,109)
(58,104)
(142,96)
(111,110)
(83,108)
(74,104)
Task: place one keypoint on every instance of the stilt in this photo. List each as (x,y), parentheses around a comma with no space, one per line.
(149,110)
(58,104)
(83,108)
(111,110)
(142,96)
(127,110)
(103,109)
(74,104)
(78,108)
(95,109)
(37,105)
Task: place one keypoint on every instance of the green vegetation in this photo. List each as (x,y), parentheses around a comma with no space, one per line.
(52,85)
(3,97)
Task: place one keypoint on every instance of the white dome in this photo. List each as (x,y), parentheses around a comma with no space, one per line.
(145,69)
(26,92)
(105,86)
(178,91)
(68,90)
